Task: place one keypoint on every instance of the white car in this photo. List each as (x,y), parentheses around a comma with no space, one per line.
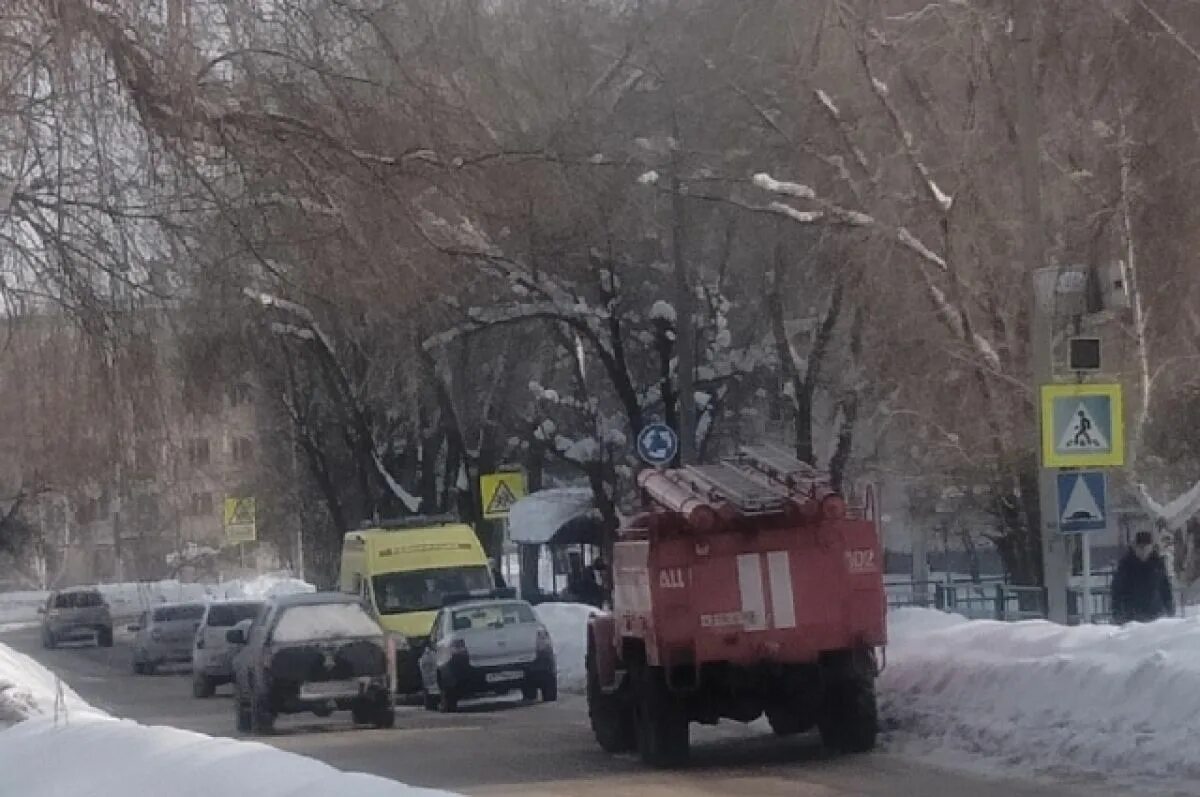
(488,646)
(212,653)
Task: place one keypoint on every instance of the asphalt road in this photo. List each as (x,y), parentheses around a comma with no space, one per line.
(503,747)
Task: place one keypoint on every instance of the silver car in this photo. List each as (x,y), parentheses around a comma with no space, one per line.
(76,614)
(487,647)
(212,653)
(164,635)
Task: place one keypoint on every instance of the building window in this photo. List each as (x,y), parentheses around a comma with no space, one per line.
(240,394)
(243,450)
(201,504)
(197,451)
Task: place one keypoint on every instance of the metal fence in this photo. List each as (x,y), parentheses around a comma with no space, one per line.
(993,599)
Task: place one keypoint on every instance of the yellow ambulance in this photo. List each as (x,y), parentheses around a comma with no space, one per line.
(403,573)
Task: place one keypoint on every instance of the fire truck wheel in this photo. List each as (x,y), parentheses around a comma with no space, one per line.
(612,722)
(662,725)
(849,720)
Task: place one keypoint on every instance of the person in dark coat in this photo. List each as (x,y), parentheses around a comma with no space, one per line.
(497,576)
(1141,588)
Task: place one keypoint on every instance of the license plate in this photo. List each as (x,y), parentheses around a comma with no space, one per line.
(327,689)
(507,675)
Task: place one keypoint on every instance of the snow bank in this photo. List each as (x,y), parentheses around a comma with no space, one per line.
(118,758)
(19,609)
(27,689)
(127,600)
(1120,702)
(567,624)
(261,587)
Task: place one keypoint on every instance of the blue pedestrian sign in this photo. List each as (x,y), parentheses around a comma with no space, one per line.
(657,444)
(1082,501)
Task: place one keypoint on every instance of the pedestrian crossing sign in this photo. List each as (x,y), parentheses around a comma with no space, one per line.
(1082,426)
(499,491)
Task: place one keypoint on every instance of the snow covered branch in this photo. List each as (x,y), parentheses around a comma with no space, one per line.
(940,200)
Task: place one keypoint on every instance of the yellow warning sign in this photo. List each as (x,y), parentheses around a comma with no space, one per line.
(240,520)
(500,491)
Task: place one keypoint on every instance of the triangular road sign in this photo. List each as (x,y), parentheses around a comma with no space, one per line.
(1081,502)
(1082,433)
(1082,506)
(501,500)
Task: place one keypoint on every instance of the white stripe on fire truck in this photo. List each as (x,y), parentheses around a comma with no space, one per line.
(783,599)
(750,584)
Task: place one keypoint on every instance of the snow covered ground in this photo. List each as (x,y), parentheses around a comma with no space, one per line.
(47,723)
(19,609)
(1043,699)
(567,624)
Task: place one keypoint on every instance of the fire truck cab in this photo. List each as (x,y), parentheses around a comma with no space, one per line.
(743,589)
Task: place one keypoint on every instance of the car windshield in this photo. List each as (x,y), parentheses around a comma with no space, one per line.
(496,615)
(426,590)
(78,600)
(227,615)
(167,614)
(324,621)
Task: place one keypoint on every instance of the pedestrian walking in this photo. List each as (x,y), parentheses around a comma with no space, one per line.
(1141,588)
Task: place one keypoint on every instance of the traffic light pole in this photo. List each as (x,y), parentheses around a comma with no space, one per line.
(1055,559)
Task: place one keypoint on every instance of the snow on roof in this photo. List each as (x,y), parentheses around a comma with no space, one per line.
(534,519)
(662,310)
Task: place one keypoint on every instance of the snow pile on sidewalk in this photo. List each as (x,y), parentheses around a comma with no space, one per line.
(27,689)
(119,758)
(129,599)
(1122,702)
(19,609)
(268,585)
(567,624)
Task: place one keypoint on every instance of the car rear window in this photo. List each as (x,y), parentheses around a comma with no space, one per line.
(167,614)
(78,600)
(495,615)
(324,621)
(227,615)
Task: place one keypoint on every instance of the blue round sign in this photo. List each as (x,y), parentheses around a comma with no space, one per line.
(657,444)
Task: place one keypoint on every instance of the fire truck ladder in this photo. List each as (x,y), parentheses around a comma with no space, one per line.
(780,465)
(728,483)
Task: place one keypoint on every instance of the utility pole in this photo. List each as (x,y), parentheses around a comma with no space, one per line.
(685,347)
(1045,281)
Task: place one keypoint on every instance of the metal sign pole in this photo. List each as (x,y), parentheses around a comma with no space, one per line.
(1085,539)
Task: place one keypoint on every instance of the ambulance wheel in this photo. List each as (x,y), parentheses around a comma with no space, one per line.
(849,719)
(611,719)
(662,725)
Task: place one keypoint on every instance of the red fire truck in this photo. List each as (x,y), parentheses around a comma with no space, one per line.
(745,588)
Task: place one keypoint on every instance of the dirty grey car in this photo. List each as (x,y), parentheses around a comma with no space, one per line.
(487,647)
(317,652)
(73,614)
(164,635)
(212,653)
